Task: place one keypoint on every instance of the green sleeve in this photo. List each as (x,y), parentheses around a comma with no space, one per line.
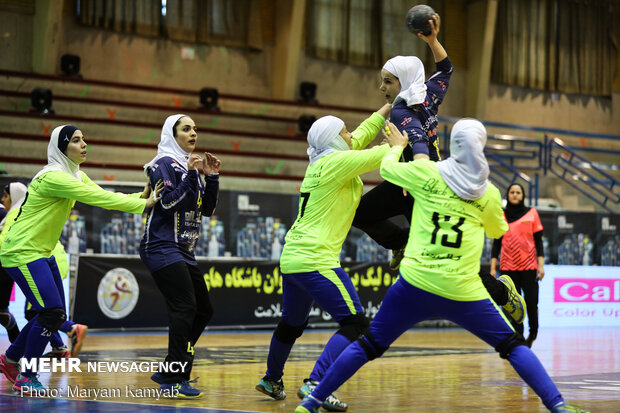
(88,181)
(345,165)
(366,131)
(493,220)
(394,171)
(62,185)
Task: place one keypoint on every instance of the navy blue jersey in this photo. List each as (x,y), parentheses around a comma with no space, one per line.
(420,121)
(173,225)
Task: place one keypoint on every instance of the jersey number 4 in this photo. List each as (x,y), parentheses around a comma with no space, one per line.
(444,238)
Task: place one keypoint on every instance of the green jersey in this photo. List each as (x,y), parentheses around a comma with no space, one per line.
(447,232)
(58,252)
(330,193)
(48,203)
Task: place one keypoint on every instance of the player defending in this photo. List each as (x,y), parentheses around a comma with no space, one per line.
(455,205)
(330,193)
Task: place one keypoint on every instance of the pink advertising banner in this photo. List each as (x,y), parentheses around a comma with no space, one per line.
(574,296)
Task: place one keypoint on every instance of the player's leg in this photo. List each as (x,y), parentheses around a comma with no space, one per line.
(175,283)
(296,304)
(204,309)
(485,320)
(529,284)
(384,201)
(335,294)
(503,291)
(36,281)
(7,320)
(403,306)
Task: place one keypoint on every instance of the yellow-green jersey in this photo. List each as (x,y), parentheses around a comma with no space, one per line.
(47,205)
(329,195)
(447,232)
(58,252)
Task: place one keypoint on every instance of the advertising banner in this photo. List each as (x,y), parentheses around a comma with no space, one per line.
(572,296)
(119,292)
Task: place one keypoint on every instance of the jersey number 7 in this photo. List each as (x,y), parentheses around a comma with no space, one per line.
(305,196)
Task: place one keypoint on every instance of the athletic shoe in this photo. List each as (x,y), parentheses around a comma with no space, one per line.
(77,335)
(10,370)
(182,390)
(515,304)
(397,257)
(273,389)
(331,404)
(567,408)
(58,353)
(28,384)
(308,405)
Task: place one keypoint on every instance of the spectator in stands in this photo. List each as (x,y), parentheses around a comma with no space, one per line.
(167,247)
(455,206)
(522,255)
(26,252)
(310,264)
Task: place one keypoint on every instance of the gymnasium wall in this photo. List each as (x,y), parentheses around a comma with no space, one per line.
(135,59)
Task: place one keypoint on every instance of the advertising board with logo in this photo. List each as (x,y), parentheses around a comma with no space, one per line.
(119,292)
(573,296)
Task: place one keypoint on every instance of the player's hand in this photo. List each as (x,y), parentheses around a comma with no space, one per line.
(210,164)
(493,272)
(146,191)
(541,273)
(393,136)
(192,163)
(435,23)
(155,195)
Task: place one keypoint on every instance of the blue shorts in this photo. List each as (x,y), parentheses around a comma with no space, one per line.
(332,290)
(405,305)
(41,283)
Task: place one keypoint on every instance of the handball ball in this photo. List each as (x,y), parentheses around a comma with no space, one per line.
(418,17)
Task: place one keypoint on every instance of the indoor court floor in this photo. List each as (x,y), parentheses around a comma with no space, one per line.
(426,370)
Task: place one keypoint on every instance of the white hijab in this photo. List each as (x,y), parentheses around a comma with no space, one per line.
(466,171)
(58,161)
(17,191)
(324,138)
(410,73)
(168,145)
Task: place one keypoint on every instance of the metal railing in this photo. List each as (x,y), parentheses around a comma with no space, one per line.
(585,176)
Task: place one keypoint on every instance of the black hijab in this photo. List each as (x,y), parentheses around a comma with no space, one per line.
(515,211)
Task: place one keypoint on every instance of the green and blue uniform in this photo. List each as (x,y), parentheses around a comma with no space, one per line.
(329,195)
(439,277)
(27,251)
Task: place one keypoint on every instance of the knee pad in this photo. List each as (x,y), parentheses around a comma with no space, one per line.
(29,314)
(6,319)
(353,326)
(370,346)
(288,334)
(505,347)
(52,318)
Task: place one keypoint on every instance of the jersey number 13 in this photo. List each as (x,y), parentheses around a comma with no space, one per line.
(456,242)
